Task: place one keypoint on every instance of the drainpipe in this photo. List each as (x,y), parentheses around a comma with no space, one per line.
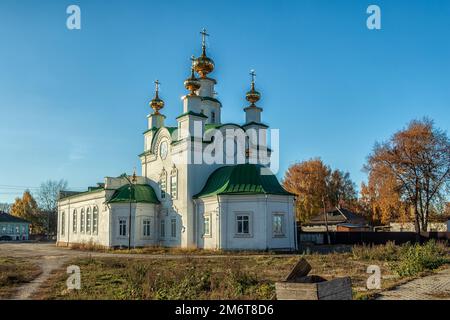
(267,231)
(218,226)
(195,227)
(294,222)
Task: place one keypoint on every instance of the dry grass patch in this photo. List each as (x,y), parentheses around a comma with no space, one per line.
(15,272)
(224,277)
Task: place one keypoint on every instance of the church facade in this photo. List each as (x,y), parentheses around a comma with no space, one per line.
(204,183)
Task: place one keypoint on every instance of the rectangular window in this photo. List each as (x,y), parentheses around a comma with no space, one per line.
(146,228)
(207,226)
(162,229)
(63,223)
(213,117)
(278,224)
(173,228)
(174,184)
(122,227)
(243,224)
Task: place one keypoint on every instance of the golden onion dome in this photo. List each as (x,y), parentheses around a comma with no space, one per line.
(157,104)
(203,65)
(192,83)
(253,96)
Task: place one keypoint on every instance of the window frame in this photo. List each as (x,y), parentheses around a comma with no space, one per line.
(207,221)
(173,228)
(249,220)
(163,184)
(63,223)
(95,220)
(281,234)
(88,221)
(82,221)
(123,223)
(174,183)
(74,221)
(146,226)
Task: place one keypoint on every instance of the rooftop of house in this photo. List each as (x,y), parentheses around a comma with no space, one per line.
(338,216)
(5,217)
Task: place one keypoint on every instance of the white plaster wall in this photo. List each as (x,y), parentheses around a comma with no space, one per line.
(139,212)
(207,207)
(223,211)
(89,200)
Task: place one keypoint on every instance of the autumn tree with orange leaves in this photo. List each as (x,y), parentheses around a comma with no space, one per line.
(315,183)
(27,208)
(409,173)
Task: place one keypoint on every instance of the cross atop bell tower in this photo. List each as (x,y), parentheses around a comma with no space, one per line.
(204,35)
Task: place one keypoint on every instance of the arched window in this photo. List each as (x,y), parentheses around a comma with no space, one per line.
(82,221)
(88,220)
(163,184)
(74,221)
(63,223)
(213,117)
(174,183)
(95,221)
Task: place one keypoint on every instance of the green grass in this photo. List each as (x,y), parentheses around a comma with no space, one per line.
(15,272)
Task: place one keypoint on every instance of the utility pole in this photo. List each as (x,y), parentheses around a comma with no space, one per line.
(130,185)
(326,219)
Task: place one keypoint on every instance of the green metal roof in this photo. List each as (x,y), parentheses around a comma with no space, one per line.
(211,99)
(242,179)
(192,113)
(140,193)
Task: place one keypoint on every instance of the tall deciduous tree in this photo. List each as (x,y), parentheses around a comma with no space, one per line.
(27,208)
(315,183)
(5,207)
(417,159)
(47,197)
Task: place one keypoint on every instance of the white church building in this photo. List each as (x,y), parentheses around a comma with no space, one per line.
(204,184)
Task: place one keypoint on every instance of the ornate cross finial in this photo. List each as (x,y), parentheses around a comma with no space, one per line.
(253,75)
(204,35)
(157,83)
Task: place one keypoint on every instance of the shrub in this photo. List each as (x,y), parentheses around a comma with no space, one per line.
(418,258)
(387,252)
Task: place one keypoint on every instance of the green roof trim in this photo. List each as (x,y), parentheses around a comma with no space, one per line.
(140,193)
(242,179)
(170,129)
(75,194)
(192,113)
(151,129)
(211,99)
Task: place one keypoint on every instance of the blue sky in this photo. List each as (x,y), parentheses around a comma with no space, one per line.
(73,104)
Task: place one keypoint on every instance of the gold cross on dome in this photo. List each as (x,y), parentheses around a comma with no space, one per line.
(157,83)
(204,35)
(253,75)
